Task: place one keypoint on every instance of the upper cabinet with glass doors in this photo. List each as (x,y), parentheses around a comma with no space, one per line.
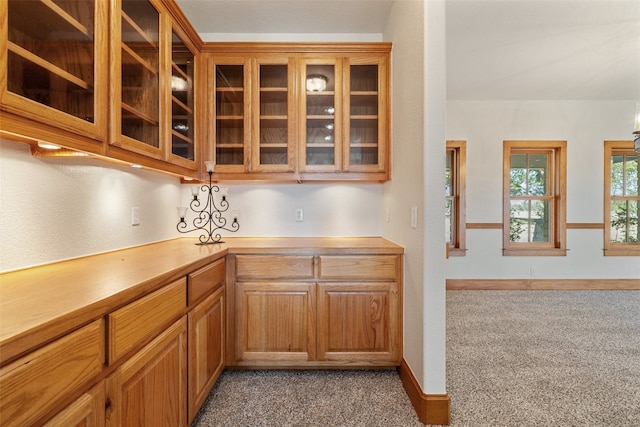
(345,115)
(115,78)
(183,146)
(321,111)
(230,82)
(136,63)
(365,116)
(53,63)
(274,114)
(300,111)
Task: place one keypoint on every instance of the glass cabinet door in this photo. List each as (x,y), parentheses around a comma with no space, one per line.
(273,136)
(231,126)
(182,100)
(365,128)
(321,111)
(140,65)
(52,51)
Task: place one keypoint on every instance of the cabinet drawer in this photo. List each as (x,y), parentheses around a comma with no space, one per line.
(250,267)
(37,382)
(205,280)
(379,267)
(144,318)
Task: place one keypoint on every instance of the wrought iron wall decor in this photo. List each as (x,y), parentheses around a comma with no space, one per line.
(209,218)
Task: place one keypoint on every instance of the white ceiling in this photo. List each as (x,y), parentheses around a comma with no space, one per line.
(496,49)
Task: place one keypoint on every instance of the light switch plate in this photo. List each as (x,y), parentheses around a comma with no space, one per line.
(135,216)
(414,217)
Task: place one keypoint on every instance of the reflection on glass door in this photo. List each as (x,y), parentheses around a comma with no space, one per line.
(140,69)
(182,123)
(230,111)
(273,127)
(322,125)
(363,115)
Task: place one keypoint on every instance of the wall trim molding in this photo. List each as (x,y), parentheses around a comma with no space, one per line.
(572,225)
(431,408)
(586,225)
(543,284)
(484,225)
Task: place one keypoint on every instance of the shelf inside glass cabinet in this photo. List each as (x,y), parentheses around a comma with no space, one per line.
(139,71)
(51,54)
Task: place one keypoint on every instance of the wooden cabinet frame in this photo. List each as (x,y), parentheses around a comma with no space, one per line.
(28,121)
(41,113)
(340,167)
(314,310)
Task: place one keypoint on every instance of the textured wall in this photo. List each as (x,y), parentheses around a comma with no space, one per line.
(585,125)
(55,209)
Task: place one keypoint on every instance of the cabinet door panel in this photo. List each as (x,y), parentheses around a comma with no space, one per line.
(359,321)
(320,112)
(275,321)
(35,383)
(141,33)
(86,411)
(273,114)
(52,49)
(206,348)
(150,388)
(183,149)
(230,80)
(366,117)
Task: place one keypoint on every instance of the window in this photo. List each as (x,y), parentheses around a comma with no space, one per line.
(621,199)
(455,172)
(534,195)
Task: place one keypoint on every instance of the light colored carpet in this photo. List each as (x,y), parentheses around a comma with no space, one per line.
(544,358)
(514,358)
(307,398)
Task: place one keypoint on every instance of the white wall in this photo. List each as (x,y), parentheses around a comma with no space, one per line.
(59,208)
(405,29)
(54,209)
(328,209)
(585,125)
(416,29)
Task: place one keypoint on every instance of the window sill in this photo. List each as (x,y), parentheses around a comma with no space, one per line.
(535,252)
(632,251)
(457,252)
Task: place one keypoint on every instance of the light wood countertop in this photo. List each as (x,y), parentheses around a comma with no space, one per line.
(40,304)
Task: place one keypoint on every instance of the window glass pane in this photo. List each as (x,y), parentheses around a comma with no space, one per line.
(448,219)
(537,175)
(517,174)
(519,221)
(618,221)
(529,221)
(634,236)
(617,175)
(448,187)
(631,175)
(540,220)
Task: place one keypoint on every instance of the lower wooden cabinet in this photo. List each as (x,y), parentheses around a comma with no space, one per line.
(359,322)
(149,389)
(206,348)
(325,310)
(86,411)
(275,322)
(37,383)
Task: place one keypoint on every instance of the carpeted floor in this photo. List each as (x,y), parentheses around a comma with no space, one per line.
(514,358)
